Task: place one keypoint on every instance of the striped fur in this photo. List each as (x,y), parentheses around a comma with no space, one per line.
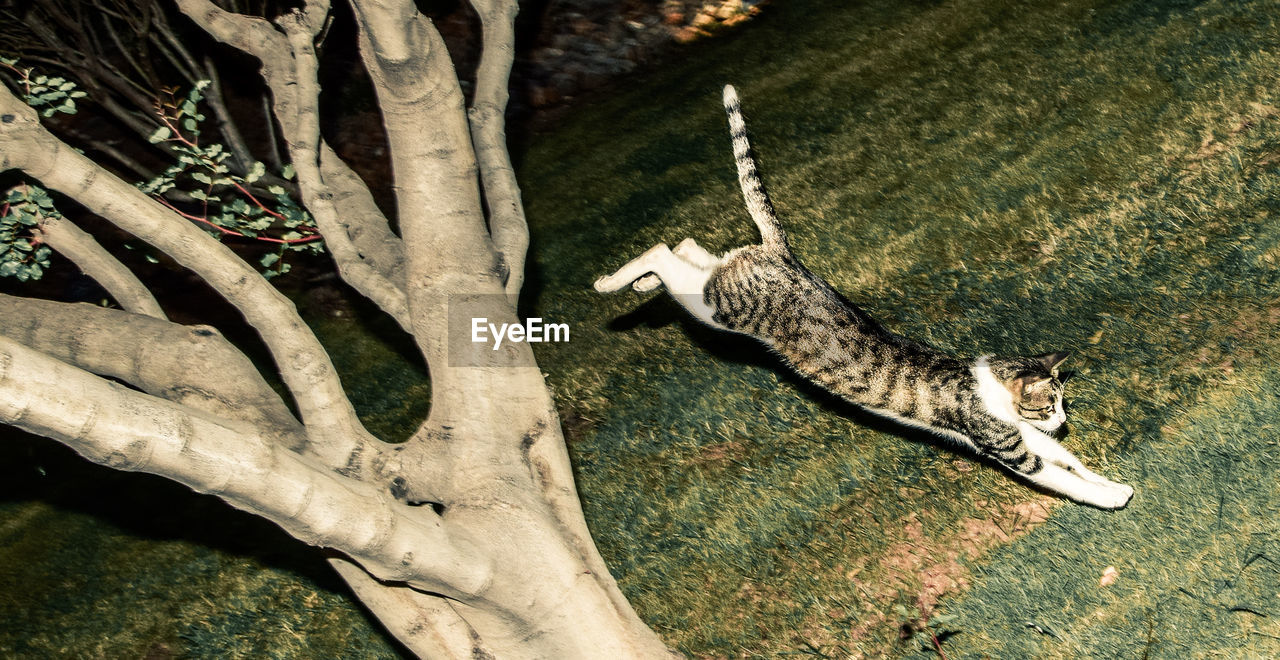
(1002,408)
(757,198)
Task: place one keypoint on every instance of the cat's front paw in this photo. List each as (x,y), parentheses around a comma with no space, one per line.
(1111,496)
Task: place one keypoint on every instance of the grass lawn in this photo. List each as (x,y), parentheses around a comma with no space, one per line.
(984,175)
(988,176)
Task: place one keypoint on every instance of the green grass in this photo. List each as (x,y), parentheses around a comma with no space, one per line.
(1197,556)
(985,175)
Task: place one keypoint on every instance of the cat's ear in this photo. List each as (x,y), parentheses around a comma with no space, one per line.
(1052,360)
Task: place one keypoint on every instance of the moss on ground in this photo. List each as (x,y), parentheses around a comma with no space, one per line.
(986,175)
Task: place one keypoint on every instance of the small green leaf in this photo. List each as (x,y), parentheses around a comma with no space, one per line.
(160,135)
(268,259)
(287,172)
(255,172)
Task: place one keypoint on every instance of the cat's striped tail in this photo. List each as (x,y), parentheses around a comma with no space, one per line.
(758,204)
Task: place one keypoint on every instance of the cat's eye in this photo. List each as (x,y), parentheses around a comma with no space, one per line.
(1036,410)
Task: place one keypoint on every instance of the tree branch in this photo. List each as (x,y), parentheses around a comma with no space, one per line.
(93,71)
(289,67)
(361,218)
(107,148)
(191,365)
(507,223)
(426,624)
(78,246)
(336,434)
(125,51)
(302,134)
(128,430)
(176,52)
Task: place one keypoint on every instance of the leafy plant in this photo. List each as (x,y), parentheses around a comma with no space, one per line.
(48,95)
(225,202)
(199,186)
(22,255)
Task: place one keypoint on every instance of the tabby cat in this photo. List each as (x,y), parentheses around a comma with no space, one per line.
(1003,408)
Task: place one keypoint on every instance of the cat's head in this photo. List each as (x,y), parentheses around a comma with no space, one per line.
(1036,389)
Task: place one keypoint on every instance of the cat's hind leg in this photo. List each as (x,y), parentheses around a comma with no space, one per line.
(690,251)
(655,259)
(684,280)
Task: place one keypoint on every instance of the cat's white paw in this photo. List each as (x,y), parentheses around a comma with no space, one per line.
(646,284)
(1113,496)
